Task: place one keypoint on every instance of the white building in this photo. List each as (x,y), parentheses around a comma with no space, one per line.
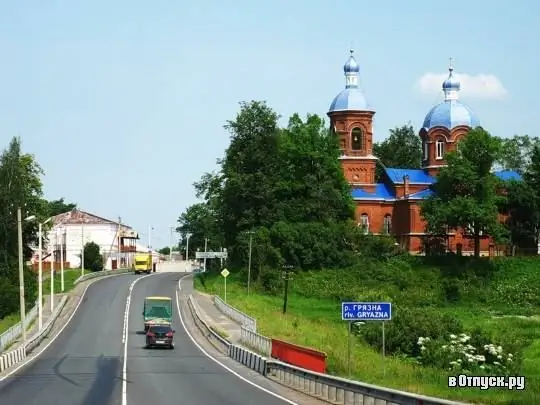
(73,229)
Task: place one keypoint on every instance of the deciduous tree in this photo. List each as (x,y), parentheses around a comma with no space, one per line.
(402,149)
(466,192)
(516,152)
(524,205)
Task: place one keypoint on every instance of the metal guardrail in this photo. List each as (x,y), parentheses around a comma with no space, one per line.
(10,335)
(38,337)
(103,273)
(259,343)
(342,391)
(247,321)
(324,386)
(15,356)
(219,342)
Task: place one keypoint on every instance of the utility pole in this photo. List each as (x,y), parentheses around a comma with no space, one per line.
(82,247)
(249,260)
(188,266)
(119,264)
(171,244)
(286,276)
(21,275)
(205,250)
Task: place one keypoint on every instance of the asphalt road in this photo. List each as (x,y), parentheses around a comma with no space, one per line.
(83,366)
(183,375)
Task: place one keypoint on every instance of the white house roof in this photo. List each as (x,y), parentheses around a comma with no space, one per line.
(76,217)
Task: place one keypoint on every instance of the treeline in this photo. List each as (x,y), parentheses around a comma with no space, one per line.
(284,188)
(21,185)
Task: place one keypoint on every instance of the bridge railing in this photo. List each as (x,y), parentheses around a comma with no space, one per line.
(10,335)
(247,321)
(253,340)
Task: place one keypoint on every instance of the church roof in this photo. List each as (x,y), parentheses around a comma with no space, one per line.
(386,192)
(451,112)
(352,98)
(416,176)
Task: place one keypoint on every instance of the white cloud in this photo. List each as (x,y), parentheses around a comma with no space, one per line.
(478,86)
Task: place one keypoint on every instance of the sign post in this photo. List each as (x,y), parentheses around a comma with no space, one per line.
(365,311)
(225,273)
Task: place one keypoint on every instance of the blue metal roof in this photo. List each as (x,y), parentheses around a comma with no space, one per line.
(450,114)
(506,175)
(351,66)
(416,176)
(351,99)
(382,192)
(421,194)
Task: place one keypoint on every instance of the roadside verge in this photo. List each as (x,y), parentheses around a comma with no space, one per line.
(317,385)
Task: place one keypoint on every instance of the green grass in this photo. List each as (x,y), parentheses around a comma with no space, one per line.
(316,323)
(8,322)
(70,275)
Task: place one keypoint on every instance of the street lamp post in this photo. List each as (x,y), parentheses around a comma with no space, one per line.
(21,272)
(171,242)
(188,235)
(40,274)
(249,260)
(82,248)
(52,270)
(62,240)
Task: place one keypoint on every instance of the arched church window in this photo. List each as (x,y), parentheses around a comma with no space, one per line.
(357,139)
(425,149)
(364,223)
(439,146)
(387,224)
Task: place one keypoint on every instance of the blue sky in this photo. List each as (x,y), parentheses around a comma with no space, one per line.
(118,97)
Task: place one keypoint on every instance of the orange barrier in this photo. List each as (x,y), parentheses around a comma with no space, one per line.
(46,266)
(300,356)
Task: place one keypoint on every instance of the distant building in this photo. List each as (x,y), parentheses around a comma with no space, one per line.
(392,206)
(70,230)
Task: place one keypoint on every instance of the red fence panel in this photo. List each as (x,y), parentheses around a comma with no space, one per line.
(299,356)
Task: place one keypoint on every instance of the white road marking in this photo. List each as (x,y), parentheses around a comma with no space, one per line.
(31,359)
(216,360)
(125,338)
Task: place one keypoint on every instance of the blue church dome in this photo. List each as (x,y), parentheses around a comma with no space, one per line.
(351,66)
(451,112)
(352,97)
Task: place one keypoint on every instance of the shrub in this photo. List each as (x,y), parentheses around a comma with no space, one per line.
(402,332)
(93,260)
(459,353)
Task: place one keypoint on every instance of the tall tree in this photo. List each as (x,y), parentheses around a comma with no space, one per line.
(311,187)
(516,152)
(402,150)
(56,207)
(249,169)
(524,205)
(20,182)
(466,192)
(201,222)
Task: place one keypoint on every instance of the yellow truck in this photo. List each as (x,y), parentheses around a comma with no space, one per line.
(142,264)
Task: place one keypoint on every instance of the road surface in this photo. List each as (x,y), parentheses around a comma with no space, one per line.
(84,365)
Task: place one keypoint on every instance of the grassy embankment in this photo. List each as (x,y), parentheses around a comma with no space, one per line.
(70,275)
(496,299)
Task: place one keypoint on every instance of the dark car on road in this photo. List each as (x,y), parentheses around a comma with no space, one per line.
(160,336)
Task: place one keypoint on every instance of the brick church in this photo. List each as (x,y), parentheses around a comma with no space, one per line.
(393,205)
